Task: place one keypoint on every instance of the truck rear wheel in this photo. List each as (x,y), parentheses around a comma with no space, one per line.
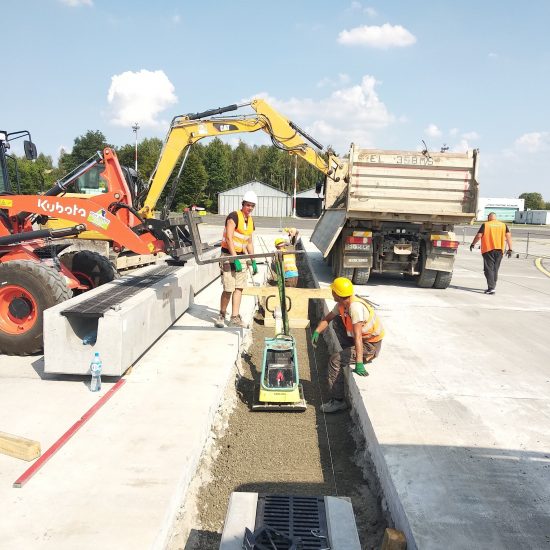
(443,279)
(90,268)
(27,289)
(426,278)
(361,275)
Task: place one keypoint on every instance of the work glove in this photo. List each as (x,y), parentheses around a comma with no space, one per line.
(238,266)
(471,247)
(360,369)
(254,267)
(509,253)
(314,338)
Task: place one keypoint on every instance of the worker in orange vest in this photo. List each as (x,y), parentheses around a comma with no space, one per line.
(237,240)
(493,235)
(364,339)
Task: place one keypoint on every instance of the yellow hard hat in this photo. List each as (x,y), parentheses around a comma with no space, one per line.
(279,241)
(342,287)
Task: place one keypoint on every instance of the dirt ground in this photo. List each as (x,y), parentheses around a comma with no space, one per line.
(286,453)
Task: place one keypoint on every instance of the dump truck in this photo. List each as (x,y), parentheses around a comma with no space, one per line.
(395,212)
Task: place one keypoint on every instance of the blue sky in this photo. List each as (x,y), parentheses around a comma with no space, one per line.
(382,74)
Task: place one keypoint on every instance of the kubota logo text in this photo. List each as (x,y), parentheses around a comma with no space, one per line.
(59,209)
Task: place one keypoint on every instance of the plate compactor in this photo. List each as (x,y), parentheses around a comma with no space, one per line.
(279,388)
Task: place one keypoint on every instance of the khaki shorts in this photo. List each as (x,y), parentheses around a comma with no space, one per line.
(233,279)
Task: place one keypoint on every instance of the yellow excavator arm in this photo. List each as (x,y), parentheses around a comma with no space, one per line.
(187,129)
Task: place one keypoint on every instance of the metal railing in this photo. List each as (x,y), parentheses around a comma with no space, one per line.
(533,243)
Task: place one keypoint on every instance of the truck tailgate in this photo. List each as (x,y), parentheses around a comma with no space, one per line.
(328,228)
(438,187)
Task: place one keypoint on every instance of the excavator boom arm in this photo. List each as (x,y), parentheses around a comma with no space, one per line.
(186,130)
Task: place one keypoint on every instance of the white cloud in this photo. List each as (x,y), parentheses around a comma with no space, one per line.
(341,80)
(453,131)
(176,19)
(533,142)
(350,114)
(471,136)
(357,6)
(433,131)
(77,3)
(140,97)
(384,37)
(493,55)
(461,147)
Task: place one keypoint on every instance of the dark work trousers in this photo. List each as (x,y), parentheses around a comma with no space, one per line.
(491,265)
(346,357)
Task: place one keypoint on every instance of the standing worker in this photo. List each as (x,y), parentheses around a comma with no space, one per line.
(363,328)
(493,234)
(237,240)
(289,263)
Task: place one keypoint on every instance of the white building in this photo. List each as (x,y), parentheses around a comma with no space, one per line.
(272,202)
(504,208)
(533,217)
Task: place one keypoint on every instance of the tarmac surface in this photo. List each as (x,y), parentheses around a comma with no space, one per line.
(456,413)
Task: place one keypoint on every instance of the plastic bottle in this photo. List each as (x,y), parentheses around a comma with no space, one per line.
(278,316)
(95,369)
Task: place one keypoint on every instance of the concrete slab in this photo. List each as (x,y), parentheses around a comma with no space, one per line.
(119,482)
(456,409)
(126,331)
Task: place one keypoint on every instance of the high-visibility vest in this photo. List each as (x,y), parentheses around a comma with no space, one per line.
(242,234)
(494,235)
(372,329)
(289,264)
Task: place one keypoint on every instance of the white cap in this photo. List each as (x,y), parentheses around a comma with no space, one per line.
(250,196)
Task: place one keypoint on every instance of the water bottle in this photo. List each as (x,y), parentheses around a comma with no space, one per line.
(278,316)
(95,368)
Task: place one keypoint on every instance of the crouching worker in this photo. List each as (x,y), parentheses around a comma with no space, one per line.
(289,264)
(362,327)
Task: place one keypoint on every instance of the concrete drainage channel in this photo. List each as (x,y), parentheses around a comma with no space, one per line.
(280,453)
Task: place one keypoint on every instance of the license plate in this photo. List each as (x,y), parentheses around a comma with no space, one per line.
(357,247)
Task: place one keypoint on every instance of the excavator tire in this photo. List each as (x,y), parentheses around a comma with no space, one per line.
(27,288)
(443,279)
(90,268)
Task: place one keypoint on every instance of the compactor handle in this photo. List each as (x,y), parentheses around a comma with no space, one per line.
(211,112)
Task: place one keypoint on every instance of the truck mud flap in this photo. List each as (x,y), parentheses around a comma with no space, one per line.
(440,263)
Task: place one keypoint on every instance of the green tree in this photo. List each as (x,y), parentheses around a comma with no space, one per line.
(533,201)
(148,155)
(192,185)
(84,147)
(217,162)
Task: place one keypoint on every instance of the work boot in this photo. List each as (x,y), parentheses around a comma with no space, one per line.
(334,405)
(236,321)
(490,291)
(220,321)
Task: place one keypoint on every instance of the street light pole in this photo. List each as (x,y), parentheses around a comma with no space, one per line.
(295,184)
(135,128)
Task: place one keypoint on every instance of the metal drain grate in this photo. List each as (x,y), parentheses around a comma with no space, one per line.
(116,293)
(298,517)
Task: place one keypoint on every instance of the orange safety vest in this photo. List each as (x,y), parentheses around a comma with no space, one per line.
(242,234)
(494,235)
(373,331)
